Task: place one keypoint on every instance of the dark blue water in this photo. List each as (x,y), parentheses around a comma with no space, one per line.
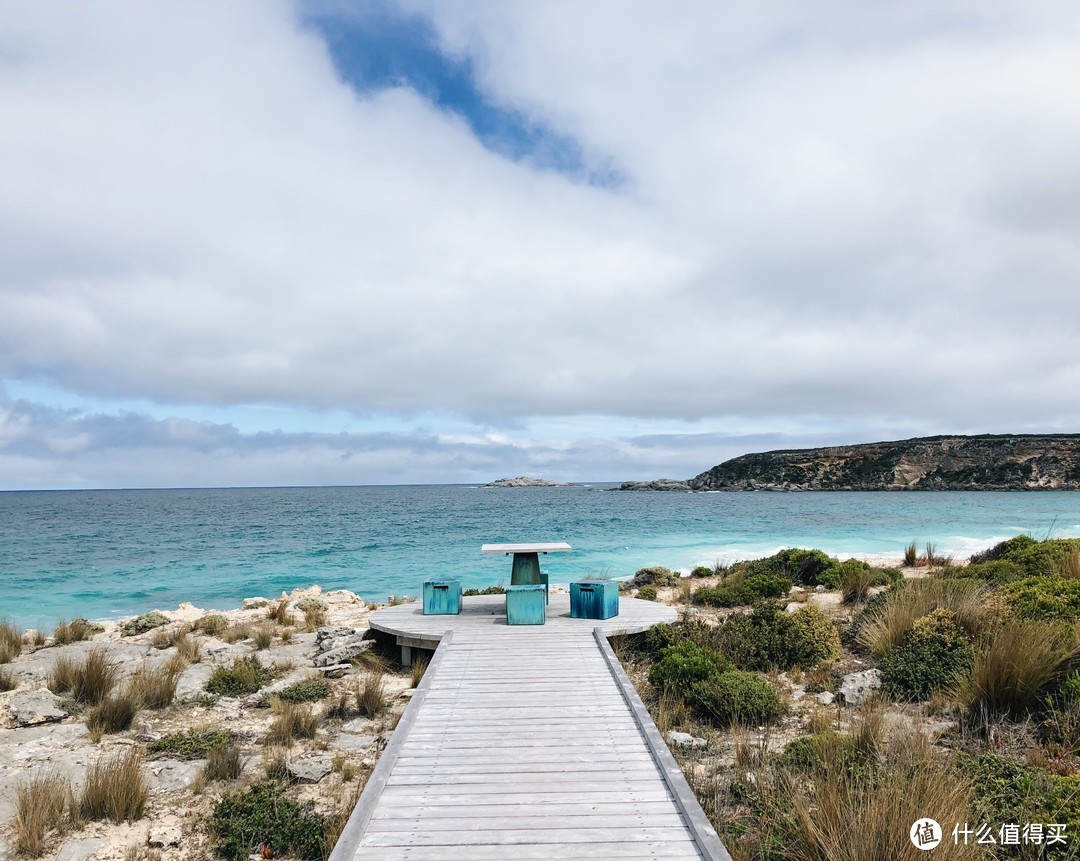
(105,554)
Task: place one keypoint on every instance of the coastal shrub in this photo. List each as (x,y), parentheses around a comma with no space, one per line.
(7,681)
(190,744)
(684,664)
(704,571)
(305,604)
(768,637)
(87,682)
(647,593)
(212,624)
(113,714)
(294,720)
(934,651)
(738,590)
(223,762)
(42,805)
(1012,667)
(10,642)
(1006,790)
(115,788)
(263,814)
(1044,598)
(311,690)
(657,576)
(243,676)
(995,572)
(142,624)
(736,697)
(657,638)
(855,581)
(889,617)
(489,590)
(66,633)
(1047,557)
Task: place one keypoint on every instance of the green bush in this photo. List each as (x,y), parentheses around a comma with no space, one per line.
(190,744)
(736,697)
(303,692)
(142,624)
(245,676)
(703,571)
(928,659)
(769,637)
(263,814)
(1044,598)
(683,664)
(647,593)
(488,590)
(1034,557)
(995,572)
(1069,689)
(658,638)
(804,567)
(656,576)
(751,589)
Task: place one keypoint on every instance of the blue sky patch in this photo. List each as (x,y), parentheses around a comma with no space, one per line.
(378,48)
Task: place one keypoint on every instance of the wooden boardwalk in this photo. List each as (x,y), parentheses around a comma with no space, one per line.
(526,743)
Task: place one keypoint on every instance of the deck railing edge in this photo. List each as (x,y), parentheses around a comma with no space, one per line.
(349,840)
(708,841)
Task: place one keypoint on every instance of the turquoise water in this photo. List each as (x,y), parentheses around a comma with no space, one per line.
(105,554)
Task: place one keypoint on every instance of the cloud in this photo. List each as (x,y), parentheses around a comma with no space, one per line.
(836,216)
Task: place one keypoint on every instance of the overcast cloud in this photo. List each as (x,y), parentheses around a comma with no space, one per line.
(749,226)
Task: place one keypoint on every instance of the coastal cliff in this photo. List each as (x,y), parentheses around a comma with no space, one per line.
(987,462)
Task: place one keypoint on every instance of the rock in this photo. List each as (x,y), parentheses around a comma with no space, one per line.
(79,850)
(310,769)
(348,741)
(660,484)
(335,671)
(169,775)
(326,636)
(343,654)
(825,698)
(192,682)
(165,833)
(526,481)
(855,687)
(35,707)
(255,603)
(684,739)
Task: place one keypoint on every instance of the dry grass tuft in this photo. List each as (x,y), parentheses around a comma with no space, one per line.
(189,649)
(279,612)
(74,631)
(7,681)
(417,670)
(371,694)
(273,757)
(315,617)
(115,788)
(1012,665)
(223,763)
(154,688)
(262,636)
(1070,565)
(41,806)
(87,682)
(886,629)
(294,720)
(235,634)
(10,642)
(112,714)
(212,624)
(911,555)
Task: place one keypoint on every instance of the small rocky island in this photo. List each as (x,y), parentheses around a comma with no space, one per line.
(987,462)
(663,484)
(527,481)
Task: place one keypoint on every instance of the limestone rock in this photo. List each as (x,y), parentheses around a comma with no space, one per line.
(684,739)
(856,687)
(660,484)
(165,833)
(35,707)
(342,654)
(79,850)
(325,637)
(309,769)
(335,671)
(255,603)
(825,698)
(526,481)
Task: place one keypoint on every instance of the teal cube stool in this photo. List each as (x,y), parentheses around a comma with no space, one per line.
(525,605)
(594,599)
(442,596)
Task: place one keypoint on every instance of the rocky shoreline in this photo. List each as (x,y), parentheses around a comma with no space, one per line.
(322,645)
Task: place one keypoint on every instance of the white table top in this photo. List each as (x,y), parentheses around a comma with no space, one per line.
(556,547)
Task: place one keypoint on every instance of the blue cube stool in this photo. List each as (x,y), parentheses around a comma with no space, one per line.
(442,596)
(525,605)
(594,599)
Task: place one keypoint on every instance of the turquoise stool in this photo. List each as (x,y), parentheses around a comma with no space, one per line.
(525,604)
(442,596)
(594,599)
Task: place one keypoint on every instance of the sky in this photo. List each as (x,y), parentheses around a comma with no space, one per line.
(324,242)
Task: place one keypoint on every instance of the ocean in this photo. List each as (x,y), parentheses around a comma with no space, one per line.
(112,553)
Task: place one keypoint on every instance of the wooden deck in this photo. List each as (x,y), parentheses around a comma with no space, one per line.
(526,743)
